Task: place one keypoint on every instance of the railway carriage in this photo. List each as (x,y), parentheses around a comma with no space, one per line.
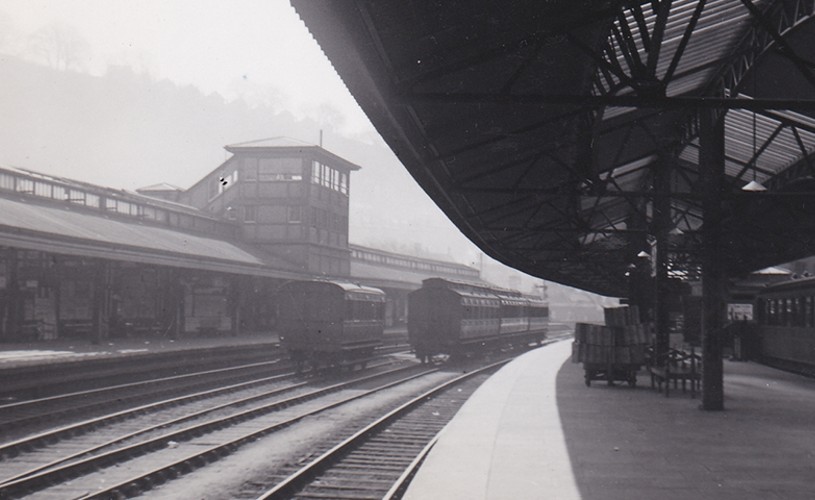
(456,317)
(786,325)
(330,323)
(537,314)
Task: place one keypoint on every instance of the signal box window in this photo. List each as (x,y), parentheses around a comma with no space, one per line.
(249,214)
(295,215)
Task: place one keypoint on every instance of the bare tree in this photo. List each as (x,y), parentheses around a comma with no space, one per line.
(61,47)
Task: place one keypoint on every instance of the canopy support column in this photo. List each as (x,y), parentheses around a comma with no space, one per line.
(640,292)
(662,223)
(711,164)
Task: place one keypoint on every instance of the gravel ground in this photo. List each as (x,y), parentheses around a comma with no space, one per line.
(239,471)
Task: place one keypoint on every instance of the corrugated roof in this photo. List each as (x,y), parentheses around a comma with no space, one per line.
(78,232)
(379,276)
(287,143)
(272,142)
(161,186)
(390,276)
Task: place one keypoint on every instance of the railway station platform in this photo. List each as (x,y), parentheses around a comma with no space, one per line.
(78,350)
(46,352)
(535,431)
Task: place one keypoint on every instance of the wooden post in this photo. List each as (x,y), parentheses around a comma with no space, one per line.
(13,308)
(236,285)
(100,307)
(57,270)
(711,165)
(180,277)
(171,303)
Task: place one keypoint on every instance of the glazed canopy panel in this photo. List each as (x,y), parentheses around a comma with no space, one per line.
(552,133)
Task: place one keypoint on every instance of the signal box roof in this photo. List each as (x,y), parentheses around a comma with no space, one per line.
(288,145)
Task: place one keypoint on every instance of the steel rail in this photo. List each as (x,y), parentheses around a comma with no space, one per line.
(295,482)
(299,479)
(400,486)
(129,385)
(107,394)
(46,478)
(50,436)
(31,442)
(60,406)
(137,485)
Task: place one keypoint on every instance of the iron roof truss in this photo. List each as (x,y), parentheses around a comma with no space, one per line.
(562,137)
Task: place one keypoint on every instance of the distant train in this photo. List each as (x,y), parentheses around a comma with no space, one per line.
(456,317)
(330,323)
(785,313)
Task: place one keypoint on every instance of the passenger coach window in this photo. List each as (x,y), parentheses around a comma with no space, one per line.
(780,311)
(364,310)
(797,316)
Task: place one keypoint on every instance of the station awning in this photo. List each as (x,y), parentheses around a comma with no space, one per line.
(552,133)
(72,231)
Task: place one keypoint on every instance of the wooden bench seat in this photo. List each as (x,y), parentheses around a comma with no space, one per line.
(676,366)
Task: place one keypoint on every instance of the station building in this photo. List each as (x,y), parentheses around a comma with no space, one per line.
(397,275)
(79,260)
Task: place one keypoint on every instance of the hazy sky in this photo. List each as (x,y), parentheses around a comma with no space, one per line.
(259,49)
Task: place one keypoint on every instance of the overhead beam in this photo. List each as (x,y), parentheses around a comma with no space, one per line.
(680,51)
(662,11)
(803,66)
(619,101)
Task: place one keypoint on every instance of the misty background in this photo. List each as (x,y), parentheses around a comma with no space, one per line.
(127,94)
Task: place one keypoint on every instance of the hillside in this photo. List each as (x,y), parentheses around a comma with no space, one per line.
(126,130)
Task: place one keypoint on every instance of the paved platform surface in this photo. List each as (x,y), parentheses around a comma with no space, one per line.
(535,431)
(44,352)
(77,350)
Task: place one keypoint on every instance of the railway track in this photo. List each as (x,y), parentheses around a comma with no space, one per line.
(32,416)
(25,417)
(179,448)
(378,460)
(138,419)
(165,444)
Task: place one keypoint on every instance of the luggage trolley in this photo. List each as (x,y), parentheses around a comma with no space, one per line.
(611,372)
(611,353)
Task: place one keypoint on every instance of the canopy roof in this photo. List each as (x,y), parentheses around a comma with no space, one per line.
(562,137)
(34,225)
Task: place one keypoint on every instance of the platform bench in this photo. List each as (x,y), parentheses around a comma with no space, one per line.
(677,366)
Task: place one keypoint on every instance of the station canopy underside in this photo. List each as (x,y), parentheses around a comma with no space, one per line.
(563,137)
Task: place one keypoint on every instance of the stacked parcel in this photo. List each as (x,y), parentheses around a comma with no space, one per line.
(621,341)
